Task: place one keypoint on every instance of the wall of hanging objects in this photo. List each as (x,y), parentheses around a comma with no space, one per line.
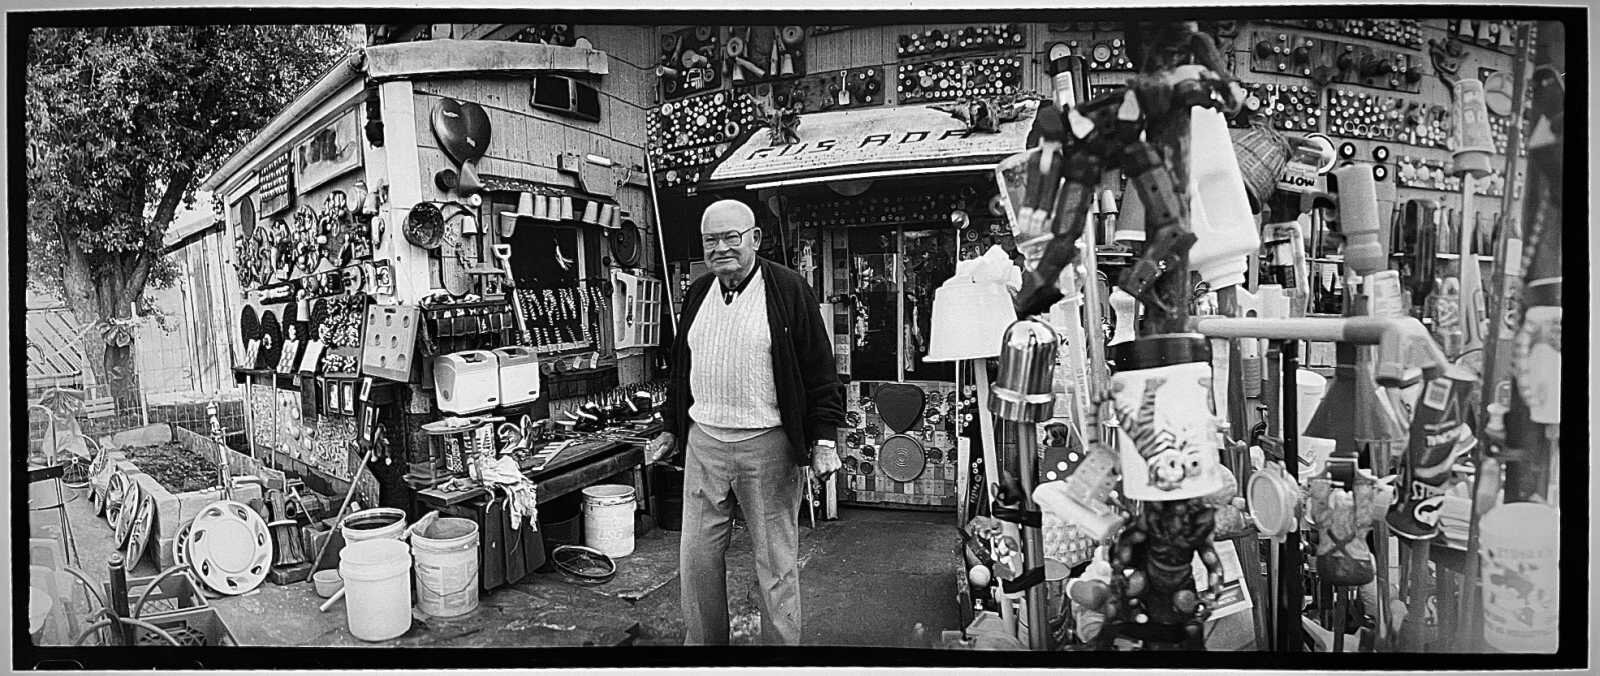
(831,90)
(1485,33)
(1371,85)
(948,79)
(1378,117)
(690,61)
(1294,108)
(1414,172)
(933,41)
(547,34)
(1298,54)
(1404,32)
(759,53)
(888,463)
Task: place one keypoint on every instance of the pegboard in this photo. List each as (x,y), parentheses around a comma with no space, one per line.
(1498,35)
(948,79)
(758,53)
(1297,54)
(1403,32)
(831,90)
(689,122)
(1289,107)
(934,41)
(690,61)
(863,434)
(1430,174)
(1102,50)
(1378,117)
(389,349)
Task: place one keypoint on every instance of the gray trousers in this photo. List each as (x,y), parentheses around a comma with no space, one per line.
(759,473)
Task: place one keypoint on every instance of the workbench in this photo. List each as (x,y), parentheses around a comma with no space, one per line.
(507,555)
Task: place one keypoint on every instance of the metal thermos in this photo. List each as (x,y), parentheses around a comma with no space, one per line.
(1022,391)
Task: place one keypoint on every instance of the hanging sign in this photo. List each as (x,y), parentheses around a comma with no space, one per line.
(276,185)
(329,152)
(873,139)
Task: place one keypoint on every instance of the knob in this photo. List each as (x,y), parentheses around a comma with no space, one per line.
(1302,54)
(1347,60)
(1263,50)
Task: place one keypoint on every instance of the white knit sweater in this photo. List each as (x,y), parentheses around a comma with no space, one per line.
(731,373)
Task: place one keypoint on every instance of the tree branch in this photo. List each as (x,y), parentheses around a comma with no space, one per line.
(167,207)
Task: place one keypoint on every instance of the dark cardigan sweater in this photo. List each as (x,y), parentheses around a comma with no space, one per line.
(810,397)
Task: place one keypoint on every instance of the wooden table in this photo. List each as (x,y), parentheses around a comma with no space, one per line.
(579,466)
(507,554)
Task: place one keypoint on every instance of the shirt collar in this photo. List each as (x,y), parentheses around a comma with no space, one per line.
(729,294)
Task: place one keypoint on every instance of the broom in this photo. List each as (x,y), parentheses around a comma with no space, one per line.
(287,546)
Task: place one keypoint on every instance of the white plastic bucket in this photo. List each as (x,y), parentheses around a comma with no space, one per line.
(446,567)
(380,523)
(608,519)
(377,583)
(1520,545)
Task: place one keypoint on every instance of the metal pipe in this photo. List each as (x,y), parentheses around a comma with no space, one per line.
(1401,341)
(117,604)
(1033,540)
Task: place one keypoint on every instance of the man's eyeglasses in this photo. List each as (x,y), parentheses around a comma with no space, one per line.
(728,238)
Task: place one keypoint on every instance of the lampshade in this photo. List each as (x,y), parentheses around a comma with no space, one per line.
(969,320)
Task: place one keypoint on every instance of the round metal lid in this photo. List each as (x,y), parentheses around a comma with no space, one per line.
(902,458)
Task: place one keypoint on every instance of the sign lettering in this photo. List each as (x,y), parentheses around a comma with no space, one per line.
(867,139)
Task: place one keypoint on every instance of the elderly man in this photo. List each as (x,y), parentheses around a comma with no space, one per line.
(755,398)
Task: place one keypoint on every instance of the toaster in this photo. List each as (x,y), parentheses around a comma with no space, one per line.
(519,375)
(467,381)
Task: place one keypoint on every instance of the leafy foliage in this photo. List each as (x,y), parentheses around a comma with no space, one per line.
(123,121)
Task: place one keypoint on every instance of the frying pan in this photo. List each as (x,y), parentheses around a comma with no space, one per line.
(462,129)
(902,458)
(424,226)
(625,244)
(247,217)
(899,405)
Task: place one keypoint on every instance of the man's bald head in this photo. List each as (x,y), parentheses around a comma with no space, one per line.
(726,216)
(730,237)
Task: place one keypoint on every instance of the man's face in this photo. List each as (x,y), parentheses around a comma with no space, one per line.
(729,238)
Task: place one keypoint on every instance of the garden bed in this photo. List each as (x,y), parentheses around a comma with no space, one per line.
(177,468)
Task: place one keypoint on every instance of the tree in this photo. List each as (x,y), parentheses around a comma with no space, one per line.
(122,122)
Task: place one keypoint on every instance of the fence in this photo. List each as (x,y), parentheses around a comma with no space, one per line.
(167,386)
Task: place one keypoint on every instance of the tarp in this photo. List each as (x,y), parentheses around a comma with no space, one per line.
(868,140)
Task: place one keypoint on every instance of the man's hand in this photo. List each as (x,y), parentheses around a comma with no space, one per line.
(657,450)
(824,460)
